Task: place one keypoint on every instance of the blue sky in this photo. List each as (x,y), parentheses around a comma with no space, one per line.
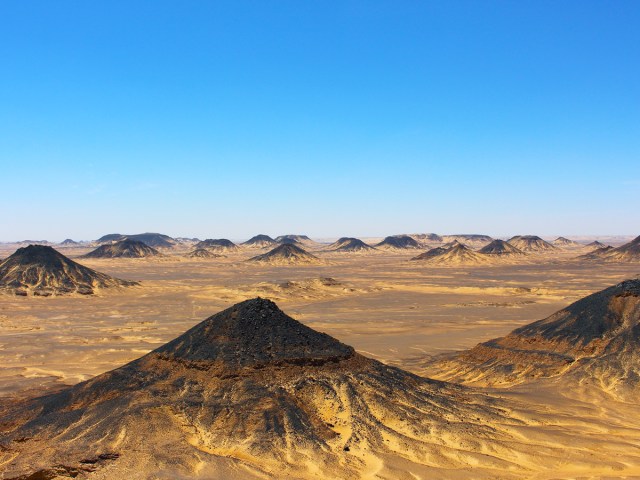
(364,118)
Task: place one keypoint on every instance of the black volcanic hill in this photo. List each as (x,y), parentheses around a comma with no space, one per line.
(596,339)
(294,239)
(203,253)
(627,253)
(349,244)
(500,247)
(531,243)
(473,239)
(41,270)
(247,389)
(155,240)
(597,254)
(286,254)
(124,249)
(565,242)
(595,244)
(260,241)
(398,242)
(69,243)
(217,244)
(454,254)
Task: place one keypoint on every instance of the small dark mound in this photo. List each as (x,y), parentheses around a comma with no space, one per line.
(42,271)
(531,243)
(124,249)
(203,253)
(286,254)
(219,244)
(156,240)
(348,244)
(400,242)
(292,239)
(68,242)
(500,247)
(260,241)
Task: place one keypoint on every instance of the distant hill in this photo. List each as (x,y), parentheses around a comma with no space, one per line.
(151,239)
(42,271)
(124,249)
(217,245)
(501,248)
(295,239)
(563,242)
(69,243)
(469,239)
(627,253)
(398,242)
(349,244)
(286,254)
(260,241)
(203,253)
(457,254)
(531,244)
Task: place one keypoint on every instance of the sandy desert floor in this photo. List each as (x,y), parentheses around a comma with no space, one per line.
(387,307)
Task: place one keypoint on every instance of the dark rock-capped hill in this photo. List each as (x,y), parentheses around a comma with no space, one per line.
(531,244)
(456,254)
(348,244)
(260,241)
(501,248)
(124,249)
(596,339)
(156,240)
(218,245)
(248,393)
(398,242)
(286,254)
(203,253)
(40,270)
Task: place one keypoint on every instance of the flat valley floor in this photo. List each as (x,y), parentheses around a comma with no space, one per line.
(387,307)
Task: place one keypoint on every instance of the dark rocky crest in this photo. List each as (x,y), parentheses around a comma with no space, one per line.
(40,270)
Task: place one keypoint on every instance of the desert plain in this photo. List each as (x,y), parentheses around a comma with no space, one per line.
(403,313)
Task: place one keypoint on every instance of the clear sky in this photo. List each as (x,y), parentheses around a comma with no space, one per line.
(364,118)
